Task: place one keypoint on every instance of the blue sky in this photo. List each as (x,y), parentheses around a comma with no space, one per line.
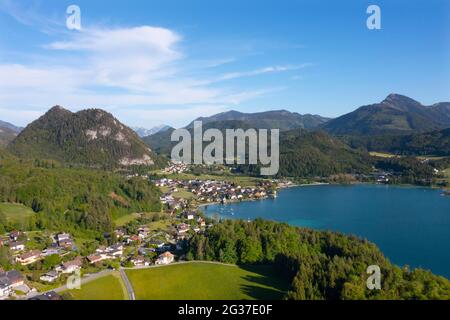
(154,62)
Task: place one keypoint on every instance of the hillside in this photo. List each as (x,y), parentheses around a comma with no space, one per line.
(279,119)
(10,126)
(6,136)
(396,114)
(304,154)
(83,201)
(90,137)
(436,143)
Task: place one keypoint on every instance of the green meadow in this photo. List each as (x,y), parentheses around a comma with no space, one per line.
(207,281)
(109,287)
(15,212)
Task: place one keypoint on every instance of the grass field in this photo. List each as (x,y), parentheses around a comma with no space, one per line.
(15,212)
(205,281)
(109,287)
(126,219)
(382,155)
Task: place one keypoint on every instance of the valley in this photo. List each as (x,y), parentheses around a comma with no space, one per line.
(82,191)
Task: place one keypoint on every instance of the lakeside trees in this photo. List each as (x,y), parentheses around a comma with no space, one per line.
(321,265)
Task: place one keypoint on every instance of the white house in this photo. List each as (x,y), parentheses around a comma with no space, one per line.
(50,276)
(17,246)
(165,258)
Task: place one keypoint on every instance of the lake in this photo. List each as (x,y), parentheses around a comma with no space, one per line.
(411,225)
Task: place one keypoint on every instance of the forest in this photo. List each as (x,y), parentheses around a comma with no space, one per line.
(320,265)
(81,201)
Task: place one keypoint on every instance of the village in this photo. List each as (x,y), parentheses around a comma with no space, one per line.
(129,246)
(42,261)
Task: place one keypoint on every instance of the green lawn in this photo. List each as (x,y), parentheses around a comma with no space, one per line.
(125,219)
(15,212)
(204,281)
(109,287)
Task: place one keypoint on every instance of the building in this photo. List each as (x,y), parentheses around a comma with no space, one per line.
(165,258)
(29,257)
(50,276)
(10,280)
(139,261)
(183,228)
(93,258)
(71,266)
(17,246)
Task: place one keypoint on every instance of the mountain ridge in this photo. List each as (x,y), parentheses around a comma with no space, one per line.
(397,114)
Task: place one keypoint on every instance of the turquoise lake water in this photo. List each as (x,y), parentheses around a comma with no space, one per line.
(411,225)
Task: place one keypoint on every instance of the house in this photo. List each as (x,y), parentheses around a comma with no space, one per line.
(119,233)
(29,257)
(139,261)
(71,266)
(165,258)
(8,281)
(14,235)
(93,258)
(183,227)
(50,252)
(101,250)
(50,276)
(133,238)
(64,240)
(189,215)
(17,246)
(115,250)
(62,236)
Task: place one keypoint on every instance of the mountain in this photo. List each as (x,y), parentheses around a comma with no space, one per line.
(8,132)
(90,137)
(7,125)
(143,132)
(6,136)
(280,119)
(396,114)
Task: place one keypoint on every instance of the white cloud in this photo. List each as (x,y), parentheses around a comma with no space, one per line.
(123,69)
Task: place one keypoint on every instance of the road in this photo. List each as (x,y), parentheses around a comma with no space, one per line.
(128,285)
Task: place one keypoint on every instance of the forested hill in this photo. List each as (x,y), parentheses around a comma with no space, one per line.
(276,119)
(436,143)
(90,137)
(307,154)
(396,114)
(320,265)
(81,201)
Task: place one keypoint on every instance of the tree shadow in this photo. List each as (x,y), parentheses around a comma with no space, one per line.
(266,284)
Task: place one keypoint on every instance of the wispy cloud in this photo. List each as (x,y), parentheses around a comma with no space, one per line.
(270,69)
